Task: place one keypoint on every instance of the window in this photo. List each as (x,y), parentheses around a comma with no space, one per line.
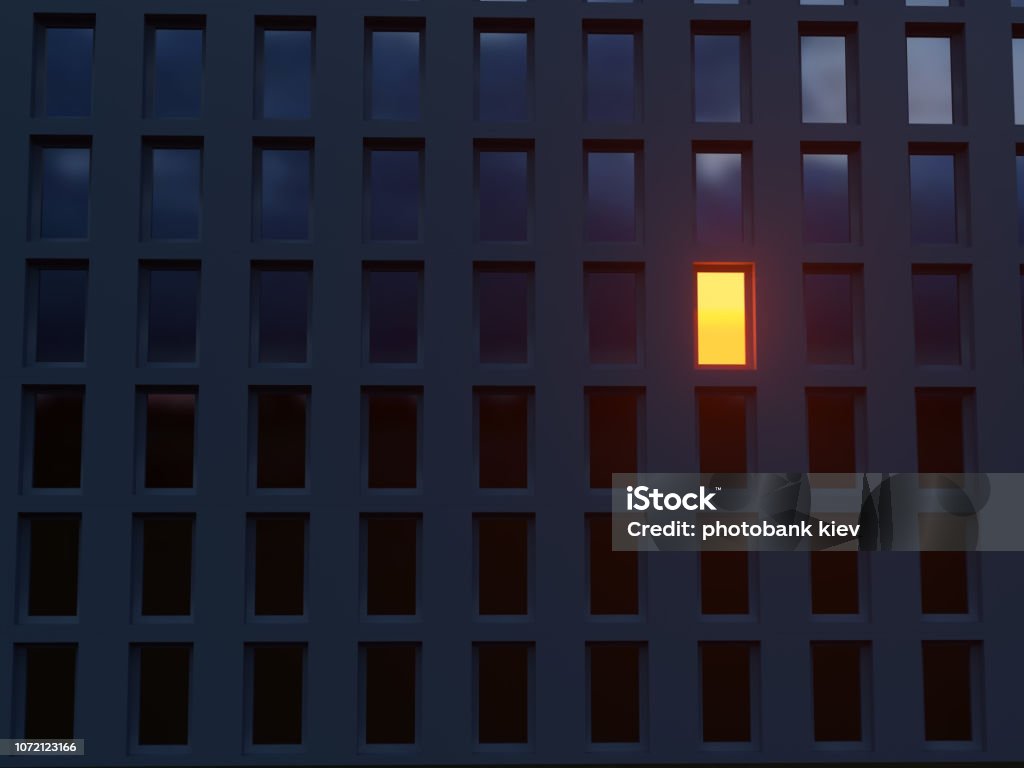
(932,3)
(829,198)
(822,2)
(1020,192)
(941,311)
(613,297)
(948,690)
(284,189)
(164,677)
(391,544)
(504,78)
(504,311)
(57,437)
(503,692)
(394,202)
(824,87)
(612,60)
(613,432)
(725,323)
(726,701)
(504,182)
(724,424)
(49,694)
(393,295)
(615,692)
(64,65)
(389,682)
(52,565)
(175,66)
(833,425)
(282,296)
(281,417)
(164,565)
(722,193)
(277,553)
(833,314)
(1018,76)
(724,583)
(503,437)
(503,545)
(945,435)
(945,583)
(174,192)
(933,82)
(276,693)
(720,66)
(836,673)
(284,76)
(612,179)
(170,302)
(613,576)
(835,582)
(62,190)
(57,295)
(395,69)
(170,418)
(392,437)
(937,213)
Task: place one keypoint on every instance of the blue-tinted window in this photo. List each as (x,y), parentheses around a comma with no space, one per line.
(717,78)
(67,86)
(394,191)
(1020,199)
(176,193)
(719,197)
(827,198)
(64,208)
(936,318)
(503,314)
(393,314)
(930,3)
(395,74)
(504,77)
(177,79)
(611,196)
(929,79)
(933,198)
(1018,80)
(286,189)
(60,314)
(611,76)
(282,312)
(172,314)
(504,194)
(823,78)
(287,73)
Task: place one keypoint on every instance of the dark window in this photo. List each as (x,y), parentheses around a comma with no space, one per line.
(392,300)
(725,691)
(503,435)
(503,568)
(60,314)
(281,418)
(176,77)
(286,191)
(53,566)
(611,195)
(504,297)
(394,88)
(614,692)
(947,691)
(938,313)
(279,565)
(57,448)
(724,583)
(837,693)
(832,430)
(719,212)
(829,315)
(282,311)
(395,191)
(933,198)
(170,439)
(166,566)
(611,75)
(391,565)
(614,576)
(835,582)
(613,314)
(613,426)
(164,682)
(823,78)
(503,188)
(503,693)
(944,584)
(64,190)
(941,438)
(718,78)
(827,197)
(285,81)
(503,75)
(50,691)
(172,310)
(392,438)
(277,683)
(389,680)
(722,429)
(175,192)
(67,85)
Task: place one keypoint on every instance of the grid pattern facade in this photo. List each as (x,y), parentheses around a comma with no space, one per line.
(663,636)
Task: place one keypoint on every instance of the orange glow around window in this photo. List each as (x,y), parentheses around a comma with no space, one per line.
(721,318)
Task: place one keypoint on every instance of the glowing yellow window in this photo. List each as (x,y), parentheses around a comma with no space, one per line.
(724,319)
